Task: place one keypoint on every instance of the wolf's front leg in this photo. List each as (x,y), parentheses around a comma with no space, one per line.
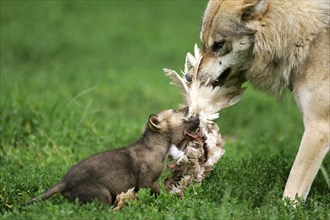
(155,190)
(313,148)
(154,187)
(149,180)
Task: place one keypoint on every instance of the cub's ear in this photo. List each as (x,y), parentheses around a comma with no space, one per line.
(253,9)
(154,123)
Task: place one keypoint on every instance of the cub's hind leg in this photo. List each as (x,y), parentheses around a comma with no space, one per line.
(87,193)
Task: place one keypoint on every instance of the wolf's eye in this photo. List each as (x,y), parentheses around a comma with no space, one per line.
(173,110)
(218,45)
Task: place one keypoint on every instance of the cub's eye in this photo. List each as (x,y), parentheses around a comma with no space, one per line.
(218,45)
(174,111)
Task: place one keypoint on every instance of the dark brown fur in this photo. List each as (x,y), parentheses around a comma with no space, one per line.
(139,165)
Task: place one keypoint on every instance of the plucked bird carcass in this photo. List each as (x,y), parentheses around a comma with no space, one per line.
(194,158)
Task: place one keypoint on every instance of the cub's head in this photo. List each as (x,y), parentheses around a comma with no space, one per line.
(173,123)
(227,37)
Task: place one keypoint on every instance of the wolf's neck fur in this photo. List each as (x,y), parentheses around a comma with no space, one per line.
(284,38)
(154,143)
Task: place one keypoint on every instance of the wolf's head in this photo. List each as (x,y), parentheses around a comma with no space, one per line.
(227,37)
(173,123)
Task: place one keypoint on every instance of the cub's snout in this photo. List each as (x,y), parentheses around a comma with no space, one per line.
(192,123)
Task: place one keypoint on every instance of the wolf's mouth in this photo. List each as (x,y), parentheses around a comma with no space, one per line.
(220,81)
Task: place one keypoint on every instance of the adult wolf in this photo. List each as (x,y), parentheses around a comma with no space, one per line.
(275,45)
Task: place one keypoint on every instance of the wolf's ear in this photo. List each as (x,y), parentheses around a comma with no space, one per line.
(154,123)
(253,9)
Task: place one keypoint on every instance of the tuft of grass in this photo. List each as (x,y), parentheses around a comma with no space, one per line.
(81,77)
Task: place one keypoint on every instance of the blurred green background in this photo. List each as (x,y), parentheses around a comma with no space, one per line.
(80,77)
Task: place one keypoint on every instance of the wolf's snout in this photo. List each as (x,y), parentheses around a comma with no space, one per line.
(193,122)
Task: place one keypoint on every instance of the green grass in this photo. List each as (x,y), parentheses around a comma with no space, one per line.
(81,77)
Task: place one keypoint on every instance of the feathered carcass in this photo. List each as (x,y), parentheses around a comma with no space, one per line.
(194,158)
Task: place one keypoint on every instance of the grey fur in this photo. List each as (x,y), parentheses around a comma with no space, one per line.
(104,175)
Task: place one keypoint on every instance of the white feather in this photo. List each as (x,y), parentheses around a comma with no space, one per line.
(175,152)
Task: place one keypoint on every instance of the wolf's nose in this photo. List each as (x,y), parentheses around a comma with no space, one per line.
(188,77)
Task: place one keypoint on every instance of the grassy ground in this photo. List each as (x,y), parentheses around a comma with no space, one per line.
(81,77)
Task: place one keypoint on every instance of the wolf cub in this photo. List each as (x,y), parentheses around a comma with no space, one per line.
(139,165)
